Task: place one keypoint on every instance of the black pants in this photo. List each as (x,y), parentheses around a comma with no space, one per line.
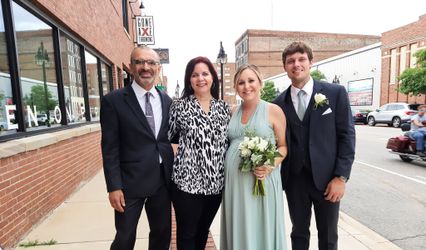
(194,215)
(158,211)
(301,195)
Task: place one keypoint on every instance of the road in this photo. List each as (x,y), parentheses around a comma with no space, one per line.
(385,193)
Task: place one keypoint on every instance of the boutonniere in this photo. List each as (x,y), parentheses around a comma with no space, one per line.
(320,100)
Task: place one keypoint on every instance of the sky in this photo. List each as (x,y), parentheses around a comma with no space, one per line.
(191,28)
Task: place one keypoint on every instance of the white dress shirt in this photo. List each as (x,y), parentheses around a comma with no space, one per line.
(308,88)
(155,103)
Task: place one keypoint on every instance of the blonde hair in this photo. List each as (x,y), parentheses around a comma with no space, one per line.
(253,68)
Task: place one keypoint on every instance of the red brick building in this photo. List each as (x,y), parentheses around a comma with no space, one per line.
(76,52)
(398,49)
(264,47)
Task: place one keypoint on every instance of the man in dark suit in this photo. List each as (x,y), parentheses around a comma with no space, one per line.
(321,142)
(137,155)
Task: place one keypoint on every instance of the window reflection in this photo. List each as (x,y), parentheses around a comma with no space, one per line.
(92,85)
(106,81)
(37,69)
(73,85)
(7,122)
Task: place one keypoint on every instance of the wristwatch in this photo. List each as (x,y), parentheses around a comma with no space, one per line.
(343,178)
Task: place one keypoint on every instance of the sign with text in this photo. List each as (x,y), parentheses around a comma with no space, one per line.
(145,30)
(361,92)
(164,55)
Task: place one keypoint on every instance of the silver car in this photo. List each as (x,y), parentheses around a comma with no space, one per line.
(393,114)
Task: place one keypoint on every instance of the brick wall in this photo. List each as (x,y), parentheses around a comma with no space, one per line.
(35,182)
(265,47)
(99,23)
(413,33)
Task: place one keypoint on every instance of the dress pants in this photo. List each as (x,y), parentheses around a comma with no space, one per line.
(158,211)
(194,215)
(301,195)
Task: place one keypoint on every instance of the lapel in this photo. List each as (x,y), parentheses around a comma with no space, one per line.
(289,110)
(131,100)
(164,110)
(316,113)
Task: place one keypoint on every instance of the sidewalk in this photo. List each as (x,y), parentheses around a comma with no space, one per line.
(86,221)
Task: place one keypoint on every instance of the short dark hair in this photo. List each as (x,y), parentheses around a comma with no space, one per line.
(142,47)
(187,89)
(295,47)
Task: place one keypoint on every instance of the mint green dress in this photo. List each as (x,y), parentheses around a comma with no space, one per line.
(251,222)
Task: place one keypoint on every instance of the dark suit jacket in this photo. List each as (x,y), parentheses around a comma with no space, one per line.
(130,150)
(331,136)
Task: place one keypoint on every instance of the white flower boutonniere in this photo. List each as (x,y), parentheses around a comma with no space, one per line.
(320,100)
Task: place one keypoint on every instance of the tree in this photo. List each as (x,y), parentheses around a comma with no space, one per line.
(318,75)
(37,98)
(269,92)
(413,80)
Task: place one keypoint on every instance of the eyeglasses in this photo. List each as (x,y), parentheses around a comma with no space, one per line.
(151,63)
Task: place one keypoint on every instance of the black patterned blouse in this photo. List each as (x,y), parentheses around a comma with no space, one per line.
(199,164)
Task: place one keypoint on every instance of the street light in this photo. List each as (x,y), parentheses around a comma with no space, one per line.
(222,58)
(42,59)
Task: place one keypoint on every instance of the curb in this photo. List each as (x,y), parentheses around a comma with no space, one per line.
(365,235)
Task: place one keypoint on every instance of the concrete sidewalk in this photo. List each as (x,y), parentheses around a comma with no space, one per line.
(86,221)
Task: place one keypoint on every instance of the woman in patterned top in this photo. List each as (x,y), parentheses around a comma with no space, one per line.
(200,121)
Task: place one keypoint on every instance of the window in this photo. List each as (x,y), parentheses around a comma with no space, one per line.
(413,59)
(73,85)
(7,121)
(92,85)
(106,78)
(125,15)
(402,59)
(392,67)
(37,69)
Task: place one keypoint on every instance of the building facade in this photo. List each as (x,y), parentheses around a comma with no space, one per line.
(264,47)
(57,60)
(358,71)
(228,82)
(398,48)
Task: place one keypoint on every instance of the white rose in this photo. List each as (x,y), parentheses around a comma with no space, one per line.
(255,159)
(263,144)
(243,145)
(245,152)
(252,143)
(319,98)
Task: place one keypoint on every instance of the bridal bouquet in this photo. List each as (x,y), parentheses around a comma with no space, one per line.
(256,151)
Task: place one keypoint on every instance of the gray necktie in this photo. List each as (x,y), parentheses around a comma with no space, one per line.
(148,112)
(301,108)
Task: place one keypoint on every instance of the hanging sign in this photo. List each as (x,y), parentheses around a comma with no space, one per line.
(145,30)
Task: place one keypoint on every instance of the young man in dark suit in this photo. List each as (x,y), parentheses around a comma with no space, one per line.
(137,155)
(321,142)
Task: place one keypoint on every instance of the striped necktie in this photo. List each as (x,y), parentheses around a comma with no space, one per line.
(148,112)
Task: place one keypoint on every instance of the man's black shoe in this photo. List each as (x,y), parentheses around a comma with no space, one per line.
(421,154)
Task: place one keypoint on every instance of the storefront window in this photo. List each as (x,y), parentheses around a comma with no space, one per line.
(73,84)
(92,85)
(106,81)
(37,69)
(7,114)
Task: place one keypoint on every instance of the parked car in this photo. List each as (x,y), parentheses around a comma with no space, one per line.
(360,116)
(393,114)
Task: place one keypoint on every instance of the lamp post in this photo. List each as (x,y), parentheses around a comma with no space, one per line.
(222,58)
(42,59)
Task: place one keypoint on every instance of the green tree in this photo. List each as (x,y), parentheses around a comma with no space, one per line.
(318,75)
(413,80)
(269,92)
(37,98)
